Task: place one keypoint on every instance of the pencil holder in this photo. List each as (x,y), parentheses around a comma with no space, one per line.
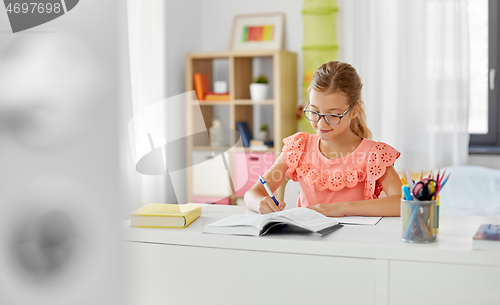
(418,221)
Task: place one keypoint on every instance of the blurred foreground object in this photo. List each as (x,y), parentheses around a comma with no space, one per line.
(50,88)
(57,245)
(59,162)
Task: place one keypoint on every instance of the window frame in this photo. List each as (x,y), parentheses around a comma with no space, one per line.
(490,143)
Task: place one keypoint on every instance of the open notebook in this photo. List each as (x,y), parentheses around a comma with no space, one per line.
(256,225)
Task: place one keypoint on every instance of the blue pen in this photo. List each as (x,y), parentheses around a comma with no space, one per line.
(407,193)
(268,190)
(413,210)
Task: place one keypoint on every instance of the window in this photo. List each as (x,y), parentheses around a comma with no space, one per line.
(484,110)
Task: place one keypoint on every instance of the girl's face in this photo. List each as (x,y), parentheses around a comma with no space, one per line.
(333,103)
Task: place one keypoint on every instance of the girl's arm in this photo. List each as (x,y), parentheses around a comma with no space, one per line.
(387,206)
(257,199)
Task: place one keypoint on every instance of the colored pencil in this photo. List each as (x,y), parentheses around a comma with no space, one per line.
(402,176)
(409,179)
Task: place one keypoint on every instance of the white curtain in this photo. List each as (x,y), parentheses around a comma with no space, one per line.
(412,57)
(146,38)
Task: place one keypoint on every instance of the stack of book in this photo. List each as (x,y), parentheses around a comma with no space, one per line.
(202,88)
(164,215)
(260,145)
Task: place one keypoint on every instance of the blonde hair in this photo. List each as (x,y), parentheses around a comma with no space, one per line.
(336,76)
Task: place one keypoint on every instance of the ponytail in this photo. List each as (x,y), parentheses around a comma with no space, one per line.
(358,124)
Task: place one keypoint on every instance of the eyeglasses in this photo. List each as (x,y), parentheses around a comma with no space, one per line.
(332,119)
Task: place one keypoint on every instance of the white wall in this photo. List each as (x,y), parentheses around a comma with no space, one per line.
(184,34)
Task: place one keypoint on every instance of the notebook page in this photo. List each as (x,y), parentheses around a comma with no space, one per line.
(239,220)
(305,217)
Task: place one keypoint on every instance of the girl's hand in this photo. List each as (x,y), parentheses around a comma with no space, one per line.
(267,205)
(329,209)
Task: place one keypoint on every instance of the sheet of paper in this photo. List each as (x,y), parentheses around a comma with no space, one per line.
(357,220)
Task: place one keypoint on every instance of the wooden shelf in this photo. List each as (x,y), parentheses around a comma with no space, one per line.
(278,111)
(211,103)
(235,149)
(249,149)
(250,102)
(210,148)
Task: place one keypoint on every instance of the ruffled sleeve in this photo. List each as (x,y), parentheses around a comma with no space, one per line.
(292,152)
(380,157)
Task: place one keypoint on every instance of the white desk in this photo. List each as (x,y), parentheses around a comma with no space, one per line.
(354,265)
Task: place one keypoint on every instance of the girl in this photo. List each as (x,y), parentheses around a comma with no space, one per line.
(341,172)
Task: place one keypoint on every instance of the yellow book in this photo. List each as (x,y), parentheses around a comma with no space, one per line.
(165,215)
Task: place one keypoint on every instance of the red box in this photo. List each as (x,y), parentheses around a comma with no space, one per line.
(247,169)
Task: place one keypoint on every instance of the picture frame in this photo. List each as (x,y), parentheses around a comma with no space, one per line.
(258,32)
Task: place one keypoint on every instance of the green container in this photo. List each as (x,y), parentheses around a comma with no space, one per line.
(319,4)
(320,44)
(314,58)
(319,29)
(304,124)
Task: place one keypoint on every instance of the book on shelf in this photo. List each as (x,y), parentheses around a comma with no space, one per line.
(201,85)
(487,237)
(210,96)
(261,142)
(165,215)
(305,219)
(261,145)
(245,133)
(202,88)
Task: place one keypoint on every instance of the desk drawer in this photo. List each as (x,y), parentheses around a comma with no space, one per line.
(170,274)
(441,284)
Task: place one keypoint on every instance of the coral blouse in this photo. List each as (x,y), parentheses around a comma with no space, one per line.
(349,178)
